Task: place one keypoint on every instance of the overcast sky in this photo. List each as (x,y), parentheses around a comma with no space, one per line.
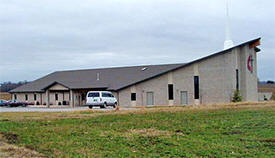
(38,37)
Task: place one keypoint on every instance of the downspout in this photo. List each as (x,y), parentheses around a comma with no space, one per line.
(41,99)
(118,103)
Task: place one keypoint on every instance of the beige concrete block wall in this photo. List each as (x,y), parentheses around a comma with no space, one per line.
(52,98)
(264,96)
(124,97)
(217,82)
(249,81)
(21,97)
(58,87)
(67,96)
(77,99)
(157,85)
(38,98)
(60,98)
(216,79)
(116,96)
(41,97)
(184,81)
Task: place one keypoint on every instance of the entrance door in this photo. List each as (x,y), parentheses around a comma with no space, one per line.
(183,98)
(150,98)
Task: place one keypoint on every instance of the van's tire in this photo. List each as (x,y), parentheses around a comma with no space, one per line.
(104,106)
(90,107)
(114,106)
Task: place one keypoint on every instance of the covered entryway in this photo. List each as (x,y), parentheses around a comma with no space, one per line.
(80,95)
(60,94)
(57,94)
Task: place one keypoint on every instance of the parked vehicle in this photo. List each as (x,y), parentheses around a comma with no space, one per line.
(100,98)
(3,102)
(16,103)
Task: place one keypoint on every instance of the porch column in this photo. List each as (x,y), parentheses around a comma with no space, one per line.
(47,97)
(41,99)
(71,98)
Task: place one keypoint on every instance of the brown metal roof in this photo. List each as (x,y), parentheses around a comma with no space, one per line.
(110,78)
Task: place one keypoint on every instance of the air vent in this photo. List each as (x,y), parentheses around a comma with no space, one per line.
(144,68)
(97,76)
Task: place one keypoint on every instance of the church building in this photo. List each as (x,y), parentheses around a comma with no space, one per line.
(211,79)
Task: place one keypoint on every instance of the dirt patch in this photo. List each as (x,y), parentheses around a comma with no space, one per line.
(149,132)
(179,132)
(5,120)
(268,140)
(30,147)
(12,151)
(232,133)
(263,140)
(10,137)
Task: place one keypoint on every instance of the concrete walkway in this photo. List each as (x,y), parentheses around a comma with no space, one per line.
(45,109)
(55,109)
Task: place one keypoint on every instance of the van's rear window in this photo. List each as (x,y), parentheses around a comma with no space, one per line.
(93,95)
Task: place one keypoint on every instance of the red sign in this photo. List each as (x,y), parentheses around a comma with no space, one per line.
(250,63)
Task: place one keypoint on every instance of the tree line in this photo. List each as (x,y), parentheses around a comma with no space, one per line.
(7,86)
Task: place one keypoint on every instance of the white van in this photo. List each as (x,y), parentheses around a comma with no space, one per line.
(100,98)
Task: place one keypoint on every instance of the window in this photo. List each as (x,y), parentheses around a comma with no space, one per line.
(105,95)
(93,95)
(237,79)
(15,96)
(34,97)
(170,92)
(196,87)
(26,97)
(133,97)
(56,96)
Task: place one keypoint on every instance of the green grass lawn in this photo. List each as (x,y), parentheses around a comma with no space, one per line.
(194,133)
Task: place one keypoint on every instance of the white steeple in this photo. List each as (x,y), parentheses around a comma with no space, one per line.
(228,43)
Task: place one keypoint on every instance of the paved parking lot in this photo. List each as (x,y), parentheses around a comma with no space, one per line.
(45,109)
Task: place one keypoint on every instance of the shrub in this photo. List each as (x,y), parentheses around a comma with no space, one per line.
(237,96)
